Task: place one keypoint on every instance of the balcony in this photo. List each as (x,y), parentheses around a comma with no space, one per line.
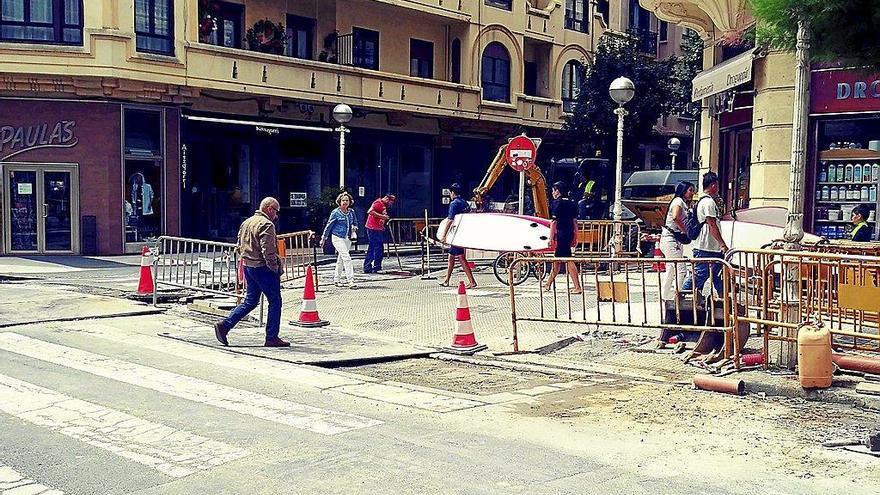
(455,10)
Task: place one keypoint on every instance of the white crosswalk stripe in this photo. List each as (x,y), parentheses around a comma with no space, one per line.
(13,483)
(281,411)
(176,453)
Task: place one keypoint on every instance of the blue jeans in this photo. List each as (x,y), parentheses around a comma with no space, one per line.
(260,280)
(375,251)
(702,270)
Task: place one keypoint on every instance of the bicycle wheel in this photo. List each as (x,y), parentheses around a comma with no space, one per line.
(501,268)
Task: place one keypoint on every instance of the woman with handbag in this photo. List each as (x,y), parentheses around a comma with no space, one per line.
(340,228)
(674,237)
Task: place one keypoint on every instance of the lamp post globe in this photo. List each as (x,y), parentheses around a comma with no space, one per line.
(622,90)
(342,113)
(674,144)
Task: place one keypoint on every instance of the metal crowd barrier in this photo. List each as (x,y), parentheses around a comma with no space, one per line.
(780,290)
(625,292)
(595,237)
(410,233)
(198,265)
(297,251)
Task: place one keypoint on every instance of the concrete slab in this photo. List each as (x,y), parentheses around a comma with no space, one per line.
(26,303)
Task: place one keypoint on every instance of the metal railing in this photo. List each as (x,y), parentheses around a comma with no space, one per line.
(625,292)
(345,49)
(595,237)
(405,233)
(297,251)
(198,265)
(781,290)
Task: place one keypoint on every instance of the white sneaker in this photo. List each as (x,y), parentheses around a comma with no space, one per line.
(351,285)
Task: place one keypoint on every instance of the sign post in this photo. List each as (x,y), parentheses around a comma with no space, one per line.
(520,155)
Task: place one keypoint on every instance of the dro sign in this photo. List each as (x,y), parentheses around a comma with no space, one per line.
(521,153)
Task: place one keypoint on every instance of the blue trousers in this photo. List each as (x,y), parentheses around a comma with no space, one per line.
(375,251)
(260,280)
(702,272)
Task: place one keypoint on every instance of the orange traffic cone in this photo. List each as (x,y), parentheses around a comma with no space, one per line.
(658,266)
(464,341)
(308,315)
(145,284)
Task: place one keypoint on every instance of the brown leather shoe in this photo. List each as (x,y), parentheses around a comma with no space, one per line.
(221,332)
(276,342)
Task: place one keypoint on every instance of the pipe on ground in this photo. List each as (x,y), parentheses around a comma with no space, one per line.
(723,385)
(857,363)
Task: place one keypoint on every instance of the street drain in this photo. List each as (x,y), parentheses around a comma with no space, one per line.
(384,323)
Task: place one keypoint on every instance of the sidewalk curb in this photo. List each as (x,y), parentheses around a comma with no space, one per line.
(124,314)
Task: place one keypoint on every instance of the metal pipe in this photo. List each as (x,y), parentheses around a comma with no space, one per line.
(723,385)
(857,363)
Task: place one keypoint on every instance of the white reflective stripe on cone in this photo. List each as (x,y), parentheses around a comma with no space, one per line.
(309,305)
(464,328)
(462,301)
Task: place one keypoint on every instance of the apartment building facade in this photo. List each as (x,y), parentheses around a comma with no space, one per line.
(124,120)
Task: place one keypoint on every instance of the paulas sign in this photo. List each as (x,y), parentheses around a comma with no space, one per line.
(15,140)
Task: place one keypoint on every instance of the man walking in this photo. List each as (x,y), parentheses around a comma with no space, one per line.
(258,249)
(377,216)
(709,244)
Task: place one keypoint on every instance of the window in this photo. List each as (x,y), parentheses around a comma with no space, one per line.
(530,78)
(603,9)
(421,58)
(45,21)
(142,200)
(366,48)
(664,31)
(500,4)
(228,20)
(575,15)
(153,26)
(572,78)
(495,73)
(301,37)
(455,75)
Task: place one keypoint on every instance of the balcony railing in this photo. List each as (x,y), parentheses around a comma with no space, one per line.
(647,40)
(345,49)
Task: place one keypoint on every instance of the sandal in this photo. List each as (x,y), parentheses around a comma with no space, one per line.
(470,286)
(443,284)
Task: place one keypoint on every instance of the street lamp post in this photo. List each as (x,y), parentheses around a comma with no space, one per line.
(342,113)
(622,91)
(674,143)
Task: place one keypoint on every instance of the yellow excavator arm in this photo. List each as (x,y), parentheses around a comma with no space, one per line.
(534,175)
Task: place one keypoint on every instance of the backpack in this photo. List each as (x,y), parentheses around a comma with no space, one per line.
(692,226)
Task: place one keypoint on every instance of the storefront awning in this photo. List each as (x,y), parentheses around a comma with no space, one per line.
(257,124)
(724,76)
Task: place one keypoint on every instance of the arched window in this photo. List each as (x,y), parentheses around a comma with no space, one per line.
(572,78)
(455,74)
(495,73)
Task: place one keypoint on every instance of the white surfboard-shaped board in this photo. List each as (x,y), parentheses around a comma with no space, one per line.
(497,232)
(749,235)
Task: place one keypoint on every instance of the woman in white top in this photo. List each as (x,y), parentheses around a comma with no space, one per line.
(673,237)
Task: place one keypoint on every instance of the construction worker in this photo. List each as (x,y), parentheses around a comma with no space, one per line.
(586,207)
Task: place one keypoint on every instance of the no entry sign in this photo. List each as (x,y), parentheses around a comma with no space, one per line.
(521,153)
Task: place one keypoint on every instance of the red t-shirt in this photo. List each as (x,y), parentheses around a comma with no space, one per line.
(374,223)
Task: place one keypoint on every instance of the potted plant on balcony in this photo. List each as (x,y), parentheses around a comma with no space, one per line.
(209,11)
(267,37)
(328,54)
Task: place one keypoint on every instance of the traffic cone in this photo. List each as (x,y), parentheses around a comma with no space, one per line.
(308,315)
(658,266)
(464,342)
(145,284)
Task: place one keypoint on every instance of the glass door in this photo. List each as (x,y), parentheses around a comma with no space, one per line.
(43,209)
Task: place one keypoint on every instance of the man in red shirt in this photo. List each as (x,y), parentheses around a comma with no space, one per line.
(377,216)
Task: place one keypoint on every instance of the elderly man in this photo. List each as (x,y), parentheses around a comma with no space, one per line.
(258,248)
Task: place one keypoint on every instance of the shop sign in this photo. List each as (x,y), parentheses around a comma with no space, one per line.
(25,188)
(15,140)
(183,166)
(726,75)
(271,131)
(298,199)
(839,91)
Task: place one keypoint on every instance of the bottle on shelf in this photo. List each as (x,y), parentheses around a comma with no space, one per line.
(848,173)
(864,195)
(840,172)
(872,193)
(866,172)
(826,193)
(857,173)
(854,193)
(875,171)
(834,193)
(823,172)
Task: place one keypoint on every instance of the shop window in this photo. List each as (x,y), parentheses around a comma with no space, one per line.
(500,4)
(455,75)
(576,15)
(42,21)
(229,19)
(301,37)
(143,132)
(421,58)
(153,25)
(366,48)
(572,79)
(495,73)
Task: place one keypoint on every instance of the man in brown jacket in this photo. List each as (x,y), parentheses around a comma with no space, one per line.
(258,249)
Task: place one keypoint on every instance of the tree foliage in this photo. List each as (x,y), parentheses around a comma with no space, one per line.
(844,31)
(662,87)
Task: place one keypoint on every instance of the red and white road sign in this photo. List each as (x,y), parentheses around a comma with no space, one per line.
(521,153)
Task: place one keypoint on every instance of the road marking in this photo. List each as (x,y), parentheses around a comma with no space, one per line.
(280,411)
(176,453)
(12,483)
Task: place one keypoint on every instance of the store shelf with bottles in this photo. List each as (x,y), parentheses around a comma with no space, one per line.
(849,154)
